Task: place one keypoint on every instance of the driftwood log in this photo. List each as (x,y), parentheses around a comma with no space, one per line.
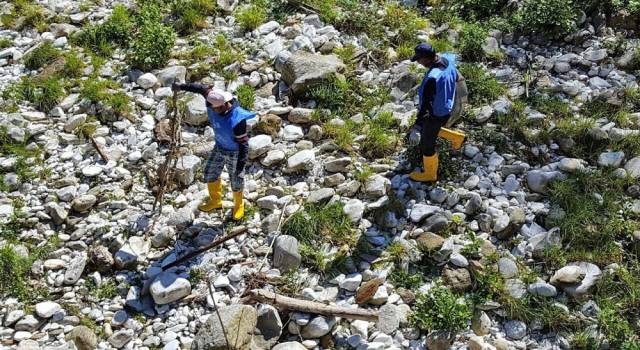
(286,303)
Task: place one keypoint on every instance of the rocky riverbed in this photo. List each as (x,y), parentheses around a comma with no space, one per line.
(328,220)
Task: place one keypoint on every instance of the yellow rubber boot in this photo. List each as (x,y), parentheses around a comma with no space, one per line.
(215,196)
(238,206)
(455,137)
(430,172)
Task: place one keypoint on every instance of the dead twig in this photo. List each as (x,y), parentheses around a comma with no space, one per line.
(285,303)
(215,308)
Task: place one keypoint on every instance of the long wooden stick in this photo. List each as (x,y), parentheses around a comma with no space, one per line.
(286,303)
(237,231)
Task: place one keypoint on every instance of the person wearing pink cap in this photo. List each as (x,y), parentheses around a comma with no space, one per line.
(229,123)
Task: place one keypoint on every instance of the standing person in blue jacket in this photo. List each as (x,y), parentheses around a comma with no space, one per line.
(229,123)
(436,97)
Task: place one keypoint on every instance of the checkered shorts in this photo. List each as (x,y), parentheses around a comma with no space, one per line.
(218,159)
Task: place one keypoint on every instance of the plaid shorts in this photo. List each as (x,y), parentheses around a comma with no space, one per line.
(218,159)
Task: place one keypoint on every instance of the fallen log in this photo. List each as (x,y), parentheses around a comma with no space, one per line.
(286,303)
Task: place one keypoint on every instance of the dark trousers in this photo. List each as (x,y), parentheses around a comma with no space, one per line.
(429,133)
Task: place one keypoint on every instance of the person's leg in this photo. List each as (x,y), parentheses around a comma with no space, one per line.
(428,138)
(236,177)
(212,171)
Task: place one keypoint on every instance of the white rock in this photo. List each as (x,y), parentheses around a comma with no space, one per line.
(46,309)
(147,81)
(169,287)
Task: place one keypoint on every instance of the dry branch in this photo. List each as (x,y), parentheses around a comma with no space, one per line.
(286,303)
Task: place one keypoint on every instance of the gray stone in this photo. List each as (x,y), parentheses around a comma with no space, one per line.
(633,167)
(170,75)
(595,55)
(291,345)
(13,316)
(46,309)
(302,70)
(286,256)
(292,133)
(28,324)
(273,157)
(100,259)
(321,195)
(239,320)
(75,269)
(301,161)
(337,165)
(481,323)
(259,145)
(300,115)
(83,338)
(507,268)
(376,186)
(67,193)
(474,204)
(354,209)
(74,121)
(84,203)
(351,282)
(120,338)
(611,159)
(458,260)
(568,274)
(542,289)
(439,340)
(515,330)
(147,81)
(592,275)
(169,287)
(318,327)
(570,165)
(421,211)
(58,213)
(196,110)
(538,180)
(269,326)
(515,287)
(186,167)
(388,319)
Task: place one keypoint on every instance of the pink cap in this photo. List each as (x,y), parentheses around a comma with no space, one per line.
(218,97)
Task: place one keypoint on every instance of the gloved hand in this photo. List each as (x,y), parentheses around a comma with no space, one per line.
(176,87)
(414,136)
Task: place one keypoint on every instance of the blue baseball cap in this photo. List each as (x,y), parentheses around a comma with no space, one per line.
(423,50)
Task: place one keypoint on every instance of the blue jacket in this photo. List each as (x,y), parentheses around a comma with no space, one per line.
(445,87)
(223,125)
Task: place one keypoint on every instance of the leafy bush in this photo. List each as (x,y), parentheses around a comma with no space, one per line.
(5,42)
(405,22)
(481,9)
(14,273)
(42,55)
(101,38)
(551,17)
(472,38)
(44,93)
(440,309)
(483,88)
(190,15)
(251,17)
(378,140)
(153,42)
(246,96)
(405,280)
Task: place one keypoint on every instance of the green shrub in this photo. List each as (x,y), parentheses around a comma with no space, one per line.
(405,22)
(379,140)
(251,17)
(42,55)
(102,92)
(246,96)
(405,280)
(472,39)
(32,15)
(73,65)
(440,309)
(550,17)
(191,15)
(481,9)
(14,273)
(152,46)
(483,88)
(316,224)
(5,42)
(101,39)
(405,51)
(44,93)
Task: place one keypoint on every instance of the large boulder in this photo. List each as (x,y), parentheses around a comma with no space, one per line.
(269,326)
(285,253)
(239,320)
(196,110)
(303,70)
